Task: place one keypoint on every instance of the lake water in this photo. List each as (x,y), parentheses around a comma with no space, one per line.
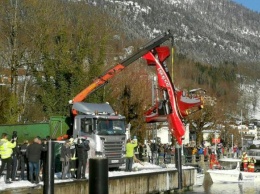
(225,188)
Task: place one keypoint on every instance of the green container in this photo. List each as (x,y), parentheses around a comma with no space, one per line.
(26,131)
(57,126)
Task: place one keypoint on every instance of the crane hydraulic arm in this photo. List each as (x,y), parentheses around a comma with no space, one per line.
(103,79)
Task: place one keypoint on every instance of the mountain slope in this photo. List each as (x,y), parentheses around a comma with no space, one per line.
(206,30)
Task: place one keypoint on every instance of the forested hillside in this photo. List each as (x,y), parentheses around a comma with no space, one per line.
(50,50)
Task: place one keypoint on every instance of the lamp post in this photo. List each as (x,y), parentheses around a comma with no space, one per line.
(215,142)
(242,144)
(154,79)
(241,132)
(232,144)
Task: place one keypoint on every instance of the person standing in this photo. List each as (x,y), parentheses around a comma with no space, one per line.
(154,150)
(140,151)
(33,154)
(130,146)
(73,159)
(251,164)
(206,153)
(235,148)
(15,162)
(194,151)
(245,161)
(214,164)
(6,150)
(65,157)
(148,152)
(200,150)
(23,159)
(82,149)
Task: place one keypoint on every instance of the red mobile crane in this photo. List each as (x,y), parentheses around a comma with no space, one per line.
(175,105)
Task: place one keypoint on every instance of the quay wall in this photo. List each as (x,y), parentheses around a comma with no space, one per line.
(163,181)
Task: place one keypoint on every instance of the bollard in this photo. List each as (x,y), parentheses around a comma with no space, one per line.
(178,165)
(98,176)
(48,182)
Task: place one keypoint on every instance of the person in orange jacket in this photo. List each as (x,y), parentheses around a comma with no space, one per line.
(194,151)
(214,163)
(251,164)
(245,161)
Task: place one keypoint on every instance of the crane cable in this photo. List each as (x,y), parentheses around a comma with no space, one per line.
(172,54)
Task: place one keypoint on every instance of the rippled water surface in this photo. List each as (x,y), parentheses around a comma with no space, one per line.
(226,188)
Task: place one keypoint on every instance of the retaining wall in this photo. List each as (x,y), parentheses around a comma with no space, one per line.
(163,181)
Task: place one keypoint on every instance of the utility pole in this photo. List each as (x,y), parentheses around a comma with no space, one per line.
(241,132)
(154,133)
(232,144)
(215,142)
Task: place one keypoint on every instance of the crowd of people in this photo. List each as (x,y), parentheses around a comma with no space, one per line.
(26,157)
(152,150)
(247,163)
(29,159)
(218,149)
(74,156)
(213,154)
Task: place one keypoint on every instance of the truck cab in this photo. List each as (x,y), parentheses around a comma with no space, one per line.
(100,124)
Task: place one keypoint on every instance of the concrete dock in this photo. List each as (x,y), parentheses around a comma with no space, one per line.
(158,181)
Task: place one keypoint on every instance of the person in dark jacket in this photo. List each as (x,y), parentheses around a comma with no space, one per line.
(141,151)
(82,149)
(73,159)
(23,159)
(154,150)
(65,157)
(33,154)
(15,162)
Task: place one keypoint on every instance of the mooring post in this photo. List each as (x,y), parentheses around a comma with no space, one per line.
(98,176)
(48,182)
(178,165)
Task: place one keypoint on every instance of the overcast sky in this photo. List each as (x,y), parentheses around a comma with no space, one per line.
(251,4)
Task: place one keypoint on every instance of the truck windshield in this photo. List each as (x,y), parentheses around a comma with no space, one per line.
(110,127)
